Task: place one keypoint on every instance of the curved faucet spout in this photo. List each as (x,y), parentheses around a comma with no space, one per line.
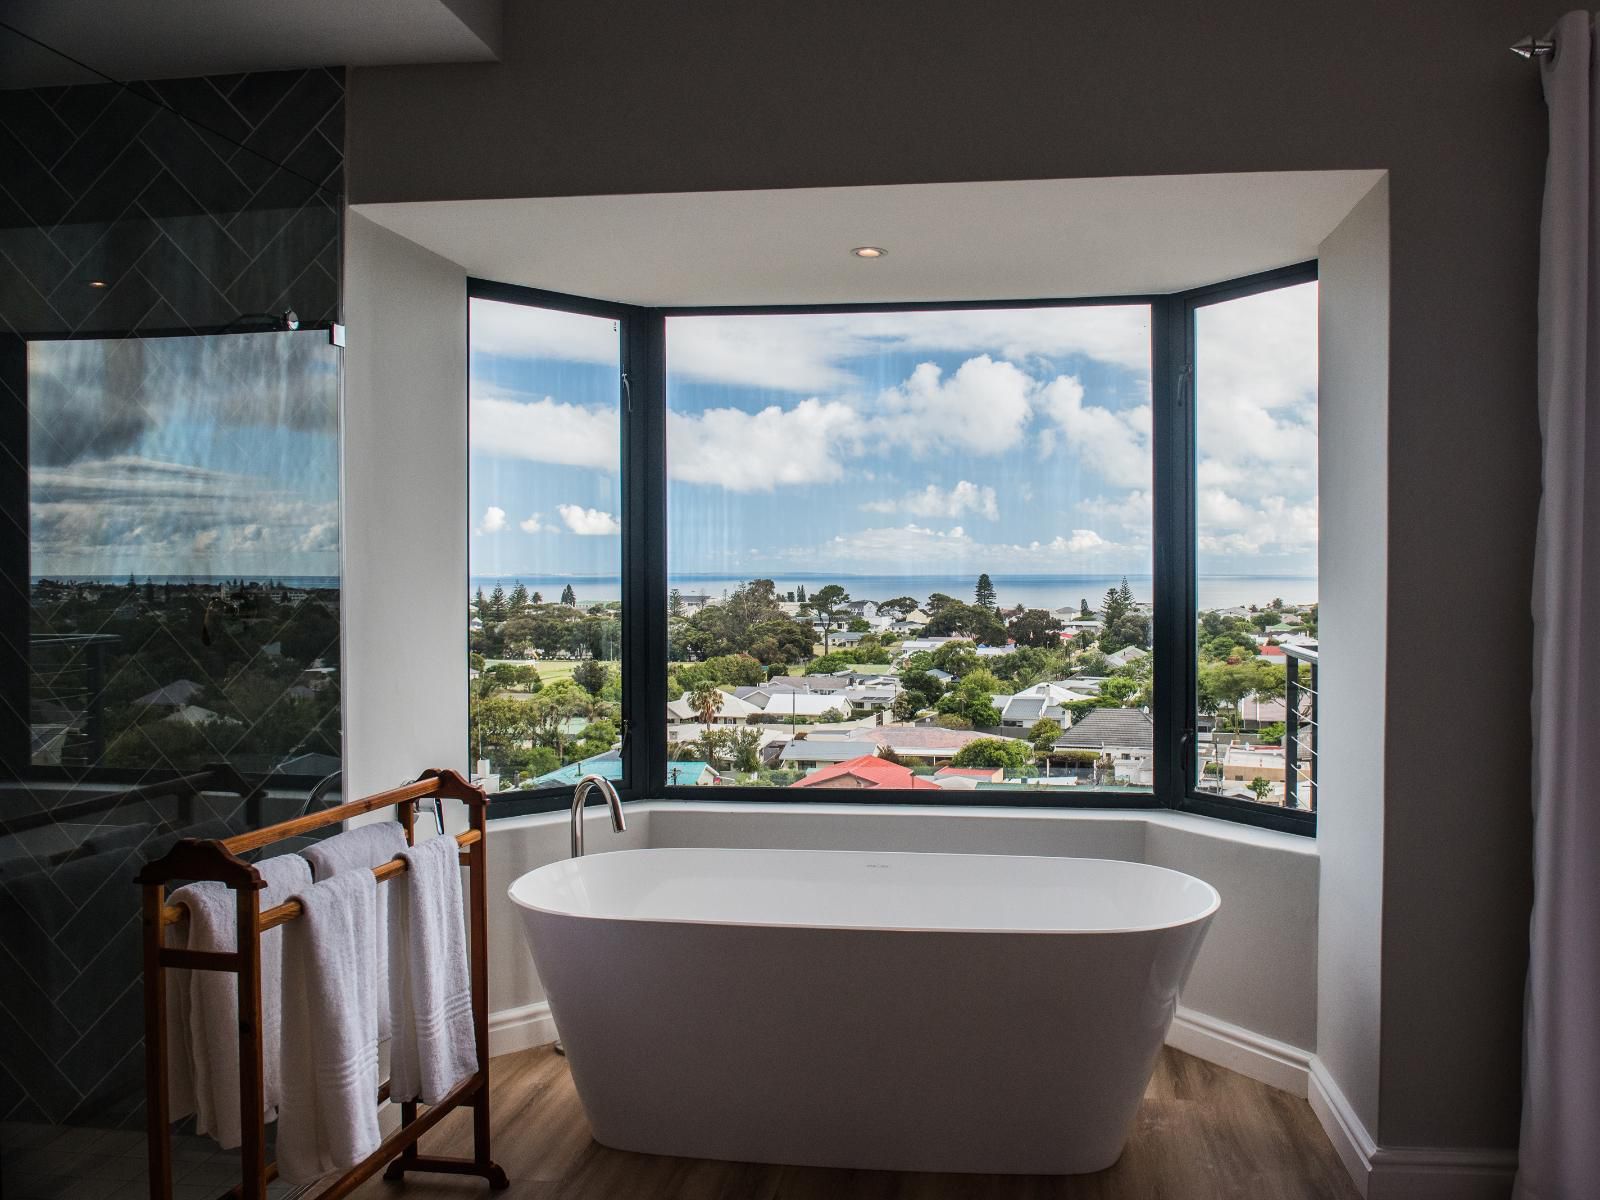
(580,796)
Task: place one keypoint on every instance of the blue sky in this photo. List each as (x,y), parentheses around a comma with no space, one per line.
(184,456)
(1007,441)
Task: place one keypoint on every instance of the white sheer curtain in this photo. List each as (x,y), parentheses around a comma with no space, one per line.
(1560,1154)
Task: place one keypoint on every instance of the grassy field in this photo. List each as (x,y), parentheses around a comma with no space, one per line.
(550,669)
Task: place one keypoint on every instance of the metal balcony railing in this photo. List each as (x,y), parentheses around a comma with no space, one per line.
(66,698)
(1300,730)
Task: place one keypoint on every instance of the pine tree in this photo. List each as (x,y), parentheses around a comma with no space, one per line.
(480,602)
(1125,594)
(519,598)
(497,602)
(675,603)
(536,598)
(983,595)
(569,597)
(1083,610)
(800,593)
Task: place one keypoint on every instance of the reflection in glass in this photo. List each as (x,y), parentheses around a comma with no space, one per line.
(184,554)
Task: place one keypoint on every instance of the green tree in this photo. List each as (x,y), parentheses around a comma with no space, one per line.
(1035,627)
(967,621)
(497,603)
(983,594)
(899,606)
(1261,787)
(479,602)
(827,604)
(859,625)
(518,600)
(936,601)
(591,675)
(958,658)
(1083,611)
(706,700)
(907,705)
(674,603)
(569,597)
(1044,733)
(993,752)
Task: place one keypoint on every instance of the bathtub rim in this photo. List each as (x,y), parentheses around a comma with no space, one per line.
(1210,911)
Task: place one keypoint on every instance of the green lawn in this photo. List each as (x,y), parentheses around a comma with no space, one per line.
(550,669)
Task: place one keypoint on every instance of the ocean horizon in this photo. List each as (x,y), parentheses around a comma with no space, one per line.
(1030,591)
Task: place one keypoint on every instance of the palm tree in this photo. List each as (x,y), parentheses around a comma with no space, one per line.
(706,700)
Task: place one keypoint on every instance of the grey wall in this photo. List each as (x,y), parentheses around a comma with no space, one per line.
(591,99)
(1352,454)
(405,482)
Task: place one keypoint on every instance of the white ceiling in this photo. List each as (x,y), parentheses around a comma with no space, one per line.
(946,241)
(171,39)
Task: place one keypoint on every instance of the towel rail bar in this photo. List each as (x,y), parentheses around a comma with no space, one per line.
(172,914)
(219,861)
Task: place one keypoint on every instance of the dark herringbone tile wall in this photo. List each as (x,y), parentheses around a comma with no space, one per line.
(169,194)
(126,212)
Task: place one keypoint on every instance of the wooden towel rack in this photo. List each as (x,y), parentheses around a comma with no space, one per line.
(193,859)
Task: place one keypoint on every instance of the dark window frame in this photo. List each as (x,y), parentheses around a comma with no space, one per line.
(642,396)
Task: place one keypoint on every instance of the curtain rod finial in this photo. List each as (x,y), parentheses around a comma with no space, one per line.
(1531,47)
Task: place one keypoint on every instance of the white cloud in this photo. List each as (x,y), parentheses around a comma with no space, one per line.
(811,352)
(934,501)
(518,331)
(756,451)
(494,519)
(982,408)
(1115,443)
(588,522)
(543,429)
(1256,427)
(913,549)
(533,524)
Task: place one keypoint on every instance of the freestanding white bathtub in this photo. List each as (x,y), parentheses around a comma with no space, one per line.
(920,1012)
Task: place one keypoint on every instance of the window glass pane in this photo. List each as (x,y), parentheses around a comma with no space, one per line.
(184,554)
(1256,520)
(545,611)
(910,550)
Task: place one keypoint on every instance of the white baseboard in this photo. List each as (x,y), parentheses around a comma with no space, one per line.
(514,1029)
(1404,1173)
(1253,1055)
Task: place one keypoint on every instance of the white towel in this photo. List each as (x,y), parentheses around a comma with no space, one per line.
(203,1006)
(434,1047)
(362,848)
(329,1115)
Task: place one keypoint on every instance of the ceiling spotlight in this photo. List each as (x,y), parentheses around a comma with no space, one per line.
(869,252)
(98,283)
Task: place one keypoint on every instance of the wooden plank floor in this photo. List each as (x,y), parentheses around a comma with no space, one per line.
(1203,1133)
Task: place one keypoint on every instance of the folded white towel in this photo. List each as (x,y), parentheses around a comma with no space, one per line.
(203,1006)
(329,1116)
(434,1047)
(362,848)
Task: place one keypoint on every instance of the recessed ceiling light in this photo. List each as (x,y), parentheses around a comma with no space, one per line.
(869,252)
(98,283)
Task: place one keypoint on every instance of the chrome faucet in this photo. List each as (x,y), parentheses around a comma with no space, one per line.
(580,795)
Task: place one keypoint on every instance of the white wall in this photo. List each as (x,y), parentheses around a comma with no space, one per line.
(1257,969)
(1352,461)
(404,498)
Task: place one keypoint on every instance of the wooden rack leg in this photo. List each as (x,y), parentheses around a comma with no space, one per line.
(252,1104)
(158,1148)
(481,1163)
